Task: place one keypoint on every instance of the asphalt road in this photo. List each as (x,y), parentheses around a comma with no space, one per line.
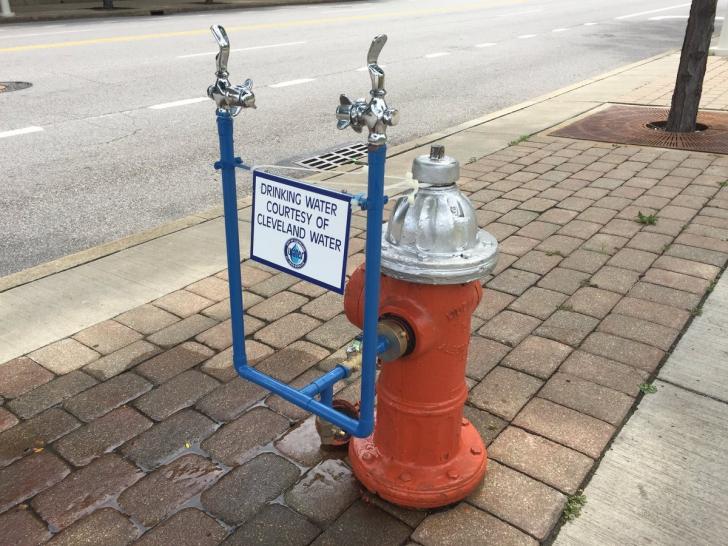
(110,140)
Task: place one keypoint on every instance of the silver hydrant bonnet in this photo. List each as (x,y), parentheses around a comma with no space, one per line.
(436,239)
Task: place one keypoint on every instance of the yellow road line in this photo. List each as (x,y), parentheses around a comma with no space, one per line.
(264,26)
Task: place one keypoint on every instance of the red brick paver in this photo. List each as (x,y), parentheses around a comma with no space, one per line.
(85,490)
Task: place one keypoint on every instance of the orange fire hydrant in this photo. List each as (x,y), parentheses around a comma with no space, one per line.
(423,452)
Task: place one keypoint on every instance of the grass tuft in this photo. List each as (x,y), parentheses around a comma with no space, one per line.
(573,507)
(646,219)
(520,139)
(648,388)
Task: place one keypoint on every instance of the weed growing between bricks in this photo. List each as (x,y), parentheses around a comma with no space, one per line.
(573,507)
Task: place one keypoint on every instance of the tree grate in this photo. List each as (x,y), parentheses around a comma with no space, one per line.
(642,126)
(336,158)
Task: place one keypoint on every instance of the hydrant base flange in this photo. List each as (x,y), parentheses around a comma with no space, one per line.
(421,487)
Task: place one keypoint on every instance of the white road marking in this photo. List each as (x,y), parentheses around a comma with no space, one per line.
(560,30)
(662,17)
(589,24)
(252,48)
(651,11)
(526,36)
(435,55)
(183,102)
(292,82)
(487,44)
(365,68)
(23,131)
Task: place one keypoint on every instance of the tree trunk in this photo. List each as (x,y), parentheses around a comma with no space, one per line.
(693,60)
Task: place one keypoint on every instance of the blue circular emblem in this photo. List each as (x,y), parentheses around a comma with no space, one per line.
(295,252)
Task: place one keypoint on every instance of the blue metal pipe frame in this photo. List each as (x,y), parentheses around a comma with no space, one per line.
(372,343)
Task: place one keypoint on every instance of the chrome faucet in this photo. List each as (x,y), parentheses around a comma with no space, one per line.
(375,114)
(229,98)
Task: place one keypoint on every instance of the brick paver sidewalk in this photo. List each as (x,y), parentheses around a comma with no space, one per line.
(138,427)
(658,91)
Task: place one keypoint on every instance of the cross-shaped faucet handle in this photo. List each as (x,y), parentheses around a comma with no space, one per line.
(375,114)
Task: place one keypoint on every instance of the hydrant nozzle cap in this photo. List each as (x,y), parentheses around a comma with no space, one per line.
(436,169)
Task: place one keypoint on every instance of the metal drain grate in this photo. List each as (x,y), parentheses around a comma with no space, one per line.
(336,158)
(7,87)
(640,125)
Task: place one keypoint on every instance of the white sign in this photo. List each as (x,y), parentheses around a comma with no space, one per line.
(300,229)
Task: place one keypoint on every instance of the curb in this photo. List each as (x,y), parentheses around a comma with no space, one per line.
(153,10)
(106,249)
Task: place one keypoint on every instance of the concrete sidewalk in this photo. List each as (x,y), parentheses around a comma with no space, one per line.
(664,478)
(36,11)
(122,418)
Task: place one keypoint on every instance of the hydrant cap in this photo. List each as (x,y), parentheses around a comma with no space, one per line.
(436,169)
(436,239)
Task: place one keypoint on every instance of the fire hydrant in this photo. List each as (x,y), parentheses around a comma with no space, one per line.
(424,453)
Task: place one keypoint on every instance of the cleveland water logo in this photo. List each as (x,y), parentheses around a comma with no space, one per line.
(295,252)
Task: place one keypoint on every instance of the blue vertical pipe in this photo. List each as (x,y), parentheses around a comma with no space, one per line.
(375,212)
(327,395)
(232,239)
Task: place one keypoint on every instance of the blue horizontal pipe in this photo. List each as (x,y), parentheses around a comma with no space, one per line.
(296,397)
(327,380)
(338,373)
(372,343)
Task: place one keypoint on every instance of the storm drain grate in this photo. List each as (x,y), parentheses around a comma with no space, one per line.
(641,125)
(7,87)
(336,158)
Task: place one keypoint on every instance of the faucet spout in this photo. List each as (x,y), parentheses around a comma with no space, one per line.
(228,97)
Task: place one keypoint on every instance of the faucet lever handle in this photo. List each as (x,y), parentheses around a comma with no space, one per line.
(375,71)
(224,44)
(376,48)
